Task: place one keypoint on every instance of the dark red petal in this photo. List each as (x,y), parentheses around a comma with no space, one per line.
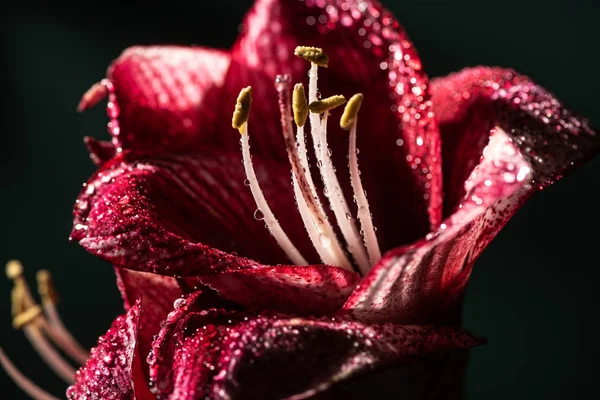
(187,216)
(283,288)
(157,293)
(471,102)
(100,152)
(422,283)
(167,96)
(216,355)
(108,372)
(540,142)
(369,52)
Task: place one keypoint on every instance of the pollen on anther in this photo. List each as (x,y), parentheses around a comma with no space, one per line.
(242,108)
(299,105)
(14,269)
(313,54)
(350,111)
(329,103)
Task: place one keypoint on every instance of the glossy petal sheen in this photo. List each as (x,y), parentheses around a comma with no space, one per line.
(187,216)
(216,355)
(167,97)
(108,373)
(538,142)
(469,103)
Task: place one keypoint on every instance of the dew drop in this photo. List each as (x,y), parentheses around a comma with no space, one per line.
(179,303)
(258,215)
(246,182)
(399,142)
(348,216)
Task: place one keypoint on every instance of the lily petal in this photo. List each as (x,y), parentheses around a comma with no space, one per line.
(166,96)
(186,216)
(108,373)
(100,151)
(369,52)
(217,355)
(424,283)
(471,102)
(157,293)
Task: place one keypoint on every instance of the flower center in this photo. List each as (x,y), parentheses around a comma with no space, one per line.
(359,248)
(41,325)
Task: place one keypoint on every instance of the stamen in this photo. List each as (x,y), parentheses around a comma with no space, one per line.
(242,110)
(28,316)
(300,108)
(338,202)
(299,105)
(318,133)
(56,329)
(349,121)
(324,105)
(48,354)
(313,54)
(327,246)
(34,391)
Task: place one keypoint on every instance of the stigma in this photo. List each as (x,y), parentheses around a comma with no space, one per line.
(44,329)
(356,248)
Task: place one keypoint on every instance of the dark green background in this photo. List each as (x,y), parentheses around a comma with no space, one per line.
(533,292)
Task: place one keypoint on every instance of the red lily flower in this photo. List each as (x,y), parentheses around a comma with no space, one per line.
(445,165)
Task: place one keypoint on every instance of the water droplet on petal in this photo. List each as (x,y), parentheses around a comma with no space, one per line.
(258,215)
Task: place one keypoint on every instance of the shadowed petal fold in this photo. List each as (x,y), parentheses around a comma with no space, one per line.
(218,355)
(190,216)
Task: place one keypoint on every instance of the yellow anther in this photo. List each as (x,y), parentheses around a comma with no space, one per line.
(320,106)
(14,269)
(299,105)
(27,316)
(350,111)
(313,54)
(242,108)
(46,287)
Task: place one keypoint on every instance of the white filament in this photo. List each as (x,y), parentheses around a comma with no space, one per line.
(338,202)
(34,391)
(272,224)
(48,354)
(325,242)
(61,336)
(364,213)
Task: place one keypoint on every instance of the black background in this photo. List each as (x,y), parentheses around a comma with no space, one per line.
(532,293)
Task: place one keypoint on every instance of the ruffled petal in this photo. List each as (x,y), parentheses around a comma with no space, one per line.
(369,52)
(165,96)
(191,216)
(157,293)
(217,355)
(471,102)
(108,373)
(538,142)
